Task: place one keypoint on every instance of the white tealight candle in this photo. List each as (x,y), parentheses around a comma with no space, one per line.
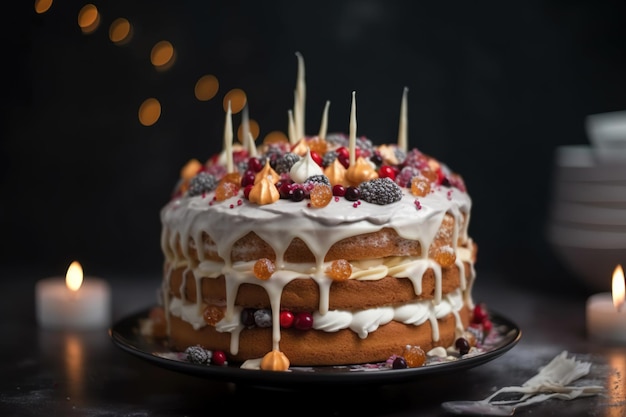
(73,303)
(606,316)
(324,123)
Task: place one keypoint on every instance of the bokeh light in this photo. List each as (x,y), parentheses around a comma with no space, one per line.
(163,55)
(88,18)
(120,31)
(253,126)
(237,98)
(42,6)
(206,87)
(149,111)
(275,136)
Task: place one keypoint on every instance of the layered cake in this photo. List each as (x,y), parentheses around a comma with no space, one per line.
(318,250)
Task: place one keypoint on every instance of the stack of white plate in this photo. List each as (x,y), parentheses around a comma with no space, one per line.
(587,221)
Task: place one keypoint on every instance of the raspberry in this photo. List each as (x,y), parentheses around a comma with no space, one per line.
(380,191)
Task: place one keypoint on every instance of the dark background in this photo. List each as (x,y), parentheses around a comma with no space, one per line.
(494,87)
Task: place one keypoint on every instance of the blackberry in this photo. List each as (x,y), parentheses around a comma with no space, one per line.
(263,317)
(366,146)
(380,191)
(400,155)
(329,157)
(338,139)
(201,183)
(317,178)
(282,164)
(198,354)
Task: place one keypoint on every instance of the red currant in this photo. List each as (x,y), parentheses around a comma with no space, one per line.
(303,321)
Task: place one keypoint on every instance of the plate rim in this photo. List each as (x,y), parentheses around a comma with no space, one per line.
(119,336)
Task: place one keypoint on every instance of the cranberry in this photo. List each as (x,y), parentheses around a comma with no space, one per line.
(247,317)
(339,190)
(254,164)
(387,171)
(376,159)
(317,158)
(246,191)
(286,319)
(399,363)
(247,178)
(480,313)
(487,326)
(462,345)
(218,358)
(297,194)
(303,321)
(352,193)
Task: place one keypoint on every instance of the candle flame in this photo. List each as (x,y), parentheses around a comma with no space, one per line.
(74,276)
(618,287)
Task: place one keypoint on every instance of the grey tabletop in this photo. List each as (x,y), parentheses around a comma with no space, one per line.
(74,373)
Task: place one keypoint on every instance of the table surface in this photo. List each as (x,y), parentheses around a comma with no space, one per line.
(65,373)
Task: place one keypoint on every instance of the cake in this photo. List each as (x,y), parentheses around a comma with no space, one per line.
(318,250)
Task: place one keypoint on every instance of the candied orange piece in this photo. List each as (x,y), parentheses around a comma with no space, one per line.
(212,314)
(264,268)
(444,256)
(420,186)
(226,190)
(339,270)
(414,356)
(234,177)
(321,194)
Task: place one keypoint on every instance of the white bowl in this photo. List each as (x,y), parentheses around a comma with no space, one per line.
(588,214)
(594,267)
(582,192)
(586,237)
(607,130)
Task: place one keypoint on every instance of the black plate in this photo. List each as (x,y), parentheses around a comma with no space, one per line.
(125,334)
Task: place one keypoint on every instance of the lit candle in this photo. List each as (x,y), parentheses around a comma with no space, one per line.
(352,137)
(299,99)
(228,139)
(403,128)
(606,315)
(73,303)
(291,128)
(324,124)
